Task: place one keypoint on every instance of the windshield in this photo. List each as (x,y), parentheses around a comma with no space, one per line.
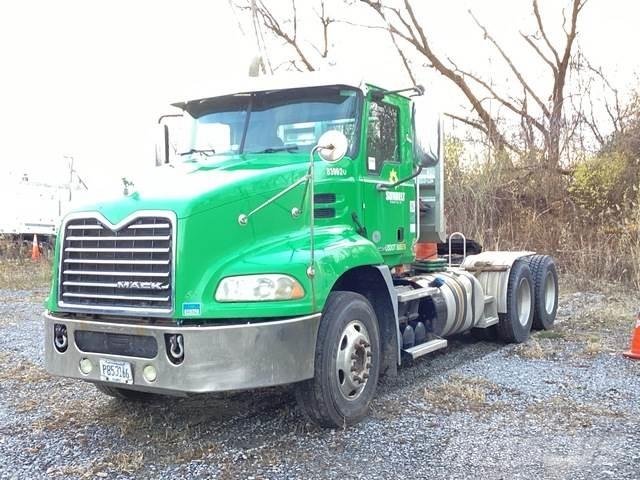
(267,122)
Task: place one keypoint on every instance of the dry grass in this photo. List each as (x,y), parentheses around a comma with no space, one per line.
(195,452)
(68,411)
(533,350)
(23,371)
(126,462)
(564,412)
(174,440)
(459,393)
(24,274)
(543,345)
(603,328)
(549,335)
(506,208)
(123,463)
(594,346)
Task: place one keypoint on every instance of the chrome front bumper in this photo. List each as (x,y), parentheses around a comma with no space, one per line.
(217,358)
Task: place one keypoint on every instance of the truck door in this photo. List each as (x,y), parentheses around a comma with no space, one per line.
(387,213)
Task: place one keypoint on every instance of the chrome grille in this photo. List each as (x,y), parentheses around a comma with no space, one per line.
(127,267)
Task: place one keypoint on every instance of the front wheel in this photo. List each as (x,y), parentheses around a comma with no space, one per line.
(347,363)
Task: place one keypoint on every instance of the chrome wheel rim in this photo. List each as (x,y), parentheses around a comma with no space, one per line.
(524,301)
(353,360)
(549,294)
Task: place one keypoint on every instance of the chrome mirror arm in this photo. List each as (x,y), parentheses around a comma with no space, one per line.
(243,219)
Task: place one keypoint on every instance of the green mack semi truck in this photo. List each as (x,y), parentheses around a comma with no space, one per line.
(276,245)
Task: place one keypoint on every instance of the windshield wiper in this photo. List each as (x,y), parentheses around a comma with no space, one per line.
(289,148)
(207,152)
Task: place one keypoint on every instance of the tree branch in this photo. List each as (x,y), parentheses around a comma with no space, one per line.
(413,34)
(512,66)
(528,39)
(536,12)
(520,111)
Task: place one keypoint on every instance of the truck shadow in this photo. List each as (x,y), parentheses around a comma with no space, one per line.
(275,408)
(461,350)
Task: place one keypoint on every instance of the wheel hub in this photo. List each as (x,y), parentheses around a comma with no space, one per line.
(524,301)
(550,294)
(353,360)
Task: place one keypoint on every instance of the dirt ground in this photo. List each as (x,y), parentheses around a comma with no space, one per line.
(563,405)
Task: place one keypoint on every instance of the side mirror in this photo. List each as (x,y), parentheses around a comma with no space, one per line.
(332,146)
(427,134)
(162,145)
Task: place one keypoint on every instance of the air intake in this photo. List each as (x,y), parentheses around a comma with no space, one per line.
(117,269)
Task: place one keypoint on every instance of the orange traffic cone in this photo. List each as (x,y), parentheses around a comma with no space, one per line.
(634,351)
(35,250)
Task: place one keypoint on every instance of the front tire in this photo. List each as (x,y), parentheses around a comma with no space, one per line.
(515,325)
(347,363)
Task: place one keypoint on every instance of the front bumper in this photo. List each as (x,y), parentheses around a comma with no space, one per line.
(216,358)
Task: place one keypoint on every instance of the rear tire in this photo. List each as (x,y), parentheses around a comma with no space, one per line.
(515,325)
(545,282)
(347,363)
(123,393)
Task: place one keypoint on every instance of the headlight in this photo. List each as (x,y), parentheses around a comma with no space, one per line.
(255,288)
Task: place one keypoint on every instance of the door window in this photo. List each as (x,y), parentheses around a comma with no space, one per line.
(382,136)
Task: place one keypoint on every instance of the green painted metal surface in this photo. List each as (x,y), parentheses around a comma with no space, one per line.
(208,197)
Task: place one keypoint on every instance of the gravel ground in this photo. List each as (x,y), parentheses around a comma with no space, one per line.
(563,405)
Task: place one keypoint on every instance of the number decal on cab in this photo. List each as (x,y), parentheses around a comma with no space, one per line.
(336,172)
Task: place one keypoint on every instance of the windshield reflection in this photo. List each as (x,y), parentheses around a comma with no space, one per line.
(269,122)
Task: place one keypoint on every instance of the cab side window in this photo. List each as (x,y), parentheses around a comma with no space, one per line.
(382,136)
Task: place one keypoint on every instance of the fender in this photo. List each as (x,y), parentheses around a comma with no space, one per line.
(338,249)
(492,271)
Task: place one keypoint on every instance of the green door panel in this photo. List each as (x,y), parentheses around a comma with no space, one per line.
(387,217)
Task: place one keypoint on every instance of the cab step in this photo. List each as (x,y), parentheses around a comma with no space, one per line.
(487,322)
(424,348)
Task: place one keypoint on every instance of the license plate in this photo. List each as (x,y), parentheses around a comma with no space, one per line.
(115,371)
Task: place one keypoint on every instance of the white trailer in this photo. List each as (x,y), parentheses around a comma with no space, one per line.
(35,199)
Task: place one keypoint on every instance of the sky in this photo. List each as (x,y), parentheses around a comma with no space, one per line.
(88,78)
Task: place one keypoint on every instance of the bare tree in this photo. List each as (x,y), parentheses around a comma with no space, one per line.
(609,116)
(282,24)
(538,117)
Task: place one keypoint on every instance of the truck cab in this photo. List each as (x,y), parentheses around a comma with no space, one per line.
(274,244)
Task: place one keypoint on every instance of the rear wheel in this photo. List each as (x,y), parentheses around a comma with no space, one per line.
(515,325)
(347,363)
(545,282)
(123,393)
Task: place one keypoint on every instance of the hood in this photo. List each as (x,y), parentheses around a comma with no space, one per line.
(192,187)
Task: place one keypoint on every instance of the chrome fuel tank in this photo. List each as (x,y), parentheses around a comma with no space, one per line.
(459,304)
